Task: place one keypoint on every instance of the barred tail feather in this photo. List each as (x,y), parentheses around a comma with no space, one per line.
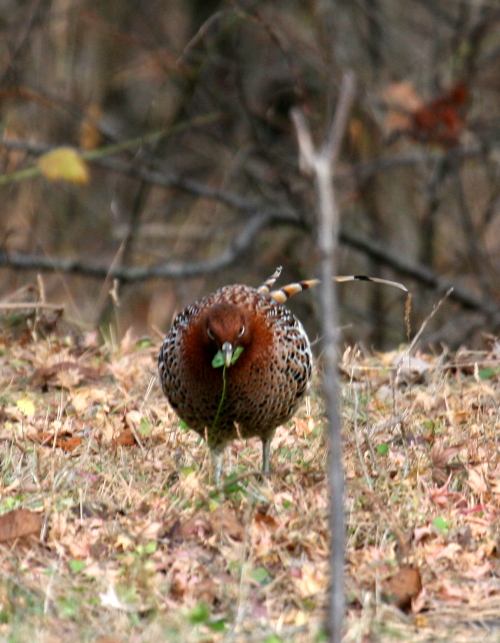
(283,294)
(288,291)
(269,283)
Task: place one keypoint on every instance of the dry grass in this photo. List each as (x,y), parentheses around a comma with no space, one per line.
(137,544)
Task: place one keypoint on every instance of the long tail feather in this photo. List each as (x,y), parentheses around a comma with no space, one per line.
(269,283)
(376,280)
(284,293)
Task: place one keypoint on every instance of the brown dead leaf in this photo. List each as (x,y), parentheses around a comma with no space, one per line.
(64,375)
(440,459)
(65,441)
(198,526)
(69,444)
(125,439)
(478,479)
(453,593)
(442,456)
(262,516)
(403,588)
(262,530)
(207,591)
(442,120)
(19,523)
(224,520)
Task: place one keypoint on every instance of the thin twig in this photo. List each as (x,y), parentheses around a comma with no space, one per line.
(172,270)
(98,155)
(434,310)
(320,163)
(260,217)
(37,305)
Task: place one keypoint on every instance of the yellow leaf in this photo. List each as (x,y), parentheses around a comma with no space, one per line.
(64,163)
(26,407)
(124,542)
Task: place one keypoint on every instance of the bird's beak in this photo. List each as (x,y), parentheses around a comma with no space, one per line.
(227,352)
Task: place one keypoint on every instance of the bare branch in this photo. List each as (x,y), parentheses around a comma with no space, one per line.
(304,139)
(339,124)
(319,164)
(423,274)
(172,270)
(168,178)
(29,305)
(264,217)
(164,177)
(243,243)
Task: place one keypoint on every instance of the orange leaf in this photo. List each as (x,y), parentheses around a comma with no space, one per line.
(402,588)
(125,439)
(64,441)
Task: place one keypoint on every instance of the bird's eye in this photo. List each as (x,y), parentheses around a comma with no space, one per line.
(210,334)
(240,334)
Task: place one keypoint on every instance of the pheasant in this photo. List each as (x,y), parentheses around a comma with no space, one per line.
(266,359)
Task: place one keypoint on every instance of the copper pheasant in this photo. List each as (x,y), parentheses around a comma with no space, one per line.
(266,356)
(264,385)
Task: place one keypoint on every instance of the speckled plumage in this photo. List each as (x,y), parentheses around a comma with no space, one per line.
(264,386)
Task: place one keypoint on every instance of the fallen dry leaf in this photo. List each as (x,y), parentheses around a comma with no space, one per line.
(478,480)
(63,374)
(224,520)
(311,581)
(19,523)
(125,439)
(144,515)
(440,459)
(403,588)
(198,526)
(64,441)
(442,120)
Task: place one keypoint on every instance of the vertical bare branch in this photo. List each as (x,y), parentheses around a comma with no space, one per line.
(320,164)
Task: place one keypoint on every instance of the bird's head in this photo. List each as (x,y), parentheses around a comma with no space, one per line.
(227,328)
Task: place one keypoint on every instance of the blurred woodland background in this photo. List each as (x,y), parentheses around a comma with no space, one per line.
(180,109)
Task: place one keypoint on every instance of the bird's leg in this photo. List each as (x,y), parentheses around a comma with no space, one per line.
(266,454)
(217,458)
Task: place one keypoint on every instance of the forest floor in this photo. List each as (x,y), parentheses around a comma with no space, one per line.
(111,529)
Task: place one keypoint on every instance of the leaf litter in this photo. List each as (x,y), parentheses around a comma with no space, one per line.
(111,528)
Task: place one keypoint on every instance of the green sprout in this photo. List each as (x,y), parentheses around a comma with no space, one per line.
(218,361)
